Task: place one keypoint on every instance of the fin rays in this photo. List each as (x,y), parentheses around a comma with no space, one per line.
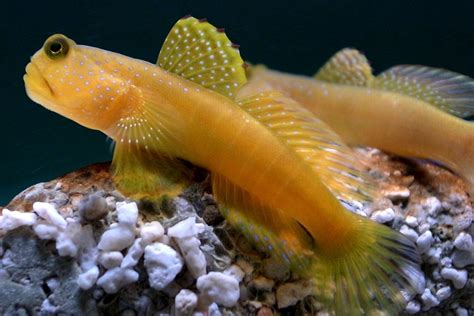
(197,51)
(314,142)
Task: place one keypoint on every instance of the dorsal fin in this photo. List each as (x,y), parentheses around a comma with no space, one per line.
(198,51)
(348,66)
(314,142)
(271,230)
(449,91)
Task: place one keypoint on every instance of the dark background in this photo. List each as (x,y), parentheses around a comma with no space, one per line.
(296,36)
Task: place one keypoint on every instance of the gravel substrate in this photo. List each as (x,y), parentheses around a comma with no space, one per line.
(76,246)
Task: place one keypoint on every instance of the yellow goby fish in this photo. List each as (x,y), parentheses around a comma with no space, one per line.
(275,168)
(413,111)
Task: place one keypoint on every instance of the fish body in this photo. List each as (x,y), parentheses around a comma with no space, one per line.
(275,168)
(106,91)
(388,114)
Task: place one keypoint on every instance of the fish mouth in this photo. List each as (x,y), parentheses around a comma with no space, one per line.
(37,87)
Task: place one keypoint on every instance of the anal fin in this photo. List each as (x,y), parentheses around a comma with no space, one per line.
(271,230)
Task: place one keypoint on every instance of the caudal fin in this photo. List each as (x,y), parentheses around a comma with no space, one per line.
(377,266)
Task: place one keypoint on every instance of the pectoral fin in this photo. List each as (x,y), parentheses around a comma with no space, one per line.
(140,173)
(147,142)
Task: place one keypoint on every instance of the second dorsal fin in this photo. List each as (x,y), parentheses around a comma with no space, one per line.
(348,66)
(314,142)
(447,90)
(196,50)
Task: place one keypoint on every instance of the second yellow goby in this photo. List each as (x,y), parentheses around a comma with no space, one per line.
(412,111)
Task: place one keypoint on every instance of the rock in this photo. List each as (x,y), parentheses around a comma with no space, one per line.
(50,214)
(460,311)
(186,228)
(65,246)
(432,205)
(462,259)
(383,216)
(219,288)
(262,283)
(413,307)
(411,221)
(458,277)
(127,213)
(117,238)
(185,303)
(151,232)
(87,279)
(46,231)
(193,256)
(289,294)
(14,219)
(162,263)
(115,279)
(235,271)
(428,300)
(464,242)
(110,259)
(409,233)
(396,194)
(134,254)
(93,207)
(425,241)
(443,293)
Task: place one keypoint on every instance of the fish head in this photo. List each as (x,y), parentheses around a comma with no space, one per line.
(74,81)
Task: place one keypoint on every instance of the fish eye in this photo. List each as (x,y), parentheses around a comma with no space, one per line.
(56,47)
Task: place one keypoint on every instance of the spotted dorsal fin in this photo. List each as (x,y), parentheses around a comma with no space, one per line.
(196,50)
(314,142)
(447,90)
(348,66)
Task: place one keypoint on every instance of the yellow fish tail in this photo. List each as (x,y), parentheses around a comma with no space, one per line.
(377,265)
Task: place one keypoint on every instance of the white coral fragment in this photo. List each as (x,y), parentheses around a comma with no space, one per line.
(14,219)
(162,263)
(116,238)
(219,288)
(49,213)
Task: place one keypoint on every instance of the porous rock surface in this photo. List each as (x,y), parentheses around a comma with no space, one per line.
(88,250)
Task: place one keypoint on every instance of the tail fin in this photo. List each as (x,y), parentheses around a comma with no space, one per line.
(378,265)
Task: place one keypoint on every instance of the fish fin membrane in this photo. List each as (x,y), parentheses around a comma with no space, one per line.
(198,51)
(348,66)
(315,142)
(447,90)
(142,163)
(140,173)
(376,269)
(269,229)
